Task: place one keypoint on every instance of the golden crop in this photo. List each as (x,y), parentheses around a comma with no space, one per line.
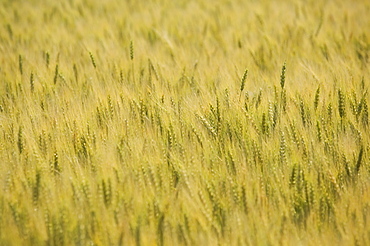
(184,122)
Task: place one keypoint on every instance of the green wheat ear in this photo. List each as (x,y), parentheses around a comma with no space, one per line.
(47,59)
(341,103)
(317,98)
(359,160)
(242,85)
(75,72)
(132,58)
(56,73)
(92,59)
(131,50)
(20,63)
(20,141)
(282,76)
(32,82)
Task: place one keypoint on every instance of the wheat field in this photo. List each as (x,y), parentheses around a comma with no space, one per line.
(184,122)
